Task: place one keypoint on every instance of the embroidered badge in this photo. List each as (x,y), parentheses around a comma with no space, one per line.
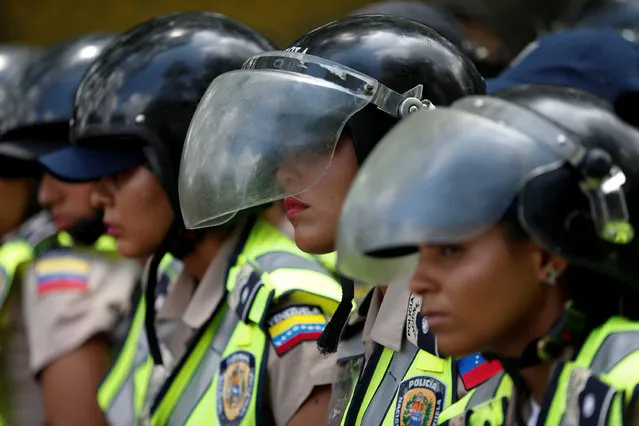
(414,305)
(295,324)
(417,326)
(235,387)
(420,399)
(475,370)
(63,273)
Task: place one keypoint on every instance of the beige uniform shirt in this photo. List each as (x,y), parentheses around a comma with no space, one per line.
(70,296)
(291,377)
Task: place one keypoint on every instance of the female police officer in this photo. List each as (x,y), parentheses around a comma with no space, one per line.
(296,125)
(524,234)
(245,314)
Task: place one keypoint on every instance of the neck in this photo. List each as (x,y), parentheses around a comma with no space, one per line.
(535,324)
(536,379)
(197,262)
(530,328)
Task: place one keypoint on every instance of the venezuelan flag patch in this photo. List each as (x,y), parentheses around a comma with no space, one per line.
(294,325)
(62,273)
(475,370)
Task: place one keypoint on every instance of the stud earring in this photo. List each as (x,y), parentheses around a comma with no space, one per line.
(551,277)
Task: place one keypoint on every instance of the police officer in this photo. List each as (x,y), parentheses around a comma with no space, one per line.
(249,306)
(524,236)
(71,294)
(315,112)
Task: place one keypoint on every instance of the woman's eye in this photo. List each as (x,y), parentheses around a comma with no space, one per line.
(450,250)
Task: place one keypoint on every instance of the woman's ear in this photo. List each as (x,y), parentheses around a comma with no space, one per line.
(552,268)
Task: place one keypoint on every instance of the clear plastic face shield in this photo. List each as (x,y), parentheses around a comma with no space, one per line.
(448,176)
(269,131)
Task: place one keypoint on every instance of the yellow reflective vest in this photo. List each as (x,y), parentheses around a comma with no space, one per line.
(221,379)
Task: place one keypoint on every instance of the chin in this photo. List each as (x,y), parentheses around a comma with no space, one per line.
(131,251)
(312,242)
(455,346)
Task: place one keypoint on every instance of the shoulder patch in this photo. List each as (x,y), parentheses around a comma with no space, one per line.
(475,370)
(62,273)
(420,399)
(294,325)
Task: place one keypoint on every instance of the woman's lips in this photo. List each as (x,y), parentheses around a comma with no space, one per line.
(294,206)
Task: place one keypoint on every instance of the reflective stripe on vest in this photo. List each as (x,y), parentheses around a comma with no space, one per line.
(205,372)
(397,377)
(497,386)
(378,406)
(350,362)
(233,346)
(488,390)
(123,391)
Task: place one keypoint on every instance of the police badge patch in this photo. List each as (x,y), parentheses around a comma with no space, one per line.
(420,399)
(235,387)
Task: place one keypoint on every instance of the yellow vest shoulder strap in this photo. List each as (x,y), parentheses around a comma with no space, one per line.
(271,267)
(609,345)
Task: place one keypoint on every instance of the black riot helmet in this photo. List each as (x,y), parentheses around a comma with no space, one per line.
(137,99)
(39,106)
(359,75)
(15,58)
(14,61)
(557,160)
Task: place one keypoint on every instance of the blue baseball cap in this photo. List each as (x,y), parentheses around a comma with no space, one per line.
(90,163)
(597,61)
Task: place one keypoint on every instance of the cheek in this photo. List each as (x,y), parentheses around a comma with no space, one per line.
(146,215)
(78,198)
(486,300)
(315,231)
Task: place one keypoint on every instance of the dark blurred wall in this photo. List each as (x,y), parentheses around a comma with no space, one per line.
(49,21)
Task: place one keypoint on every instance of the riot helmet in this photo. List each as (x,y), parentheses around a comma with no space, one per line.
(135,103)
(39,105)
(359,74)
(42,99)
(557,160)
(14,60)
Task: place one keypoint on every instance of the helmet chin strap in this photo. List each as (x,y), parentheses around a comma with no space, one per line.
(569,331)
(179,242)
